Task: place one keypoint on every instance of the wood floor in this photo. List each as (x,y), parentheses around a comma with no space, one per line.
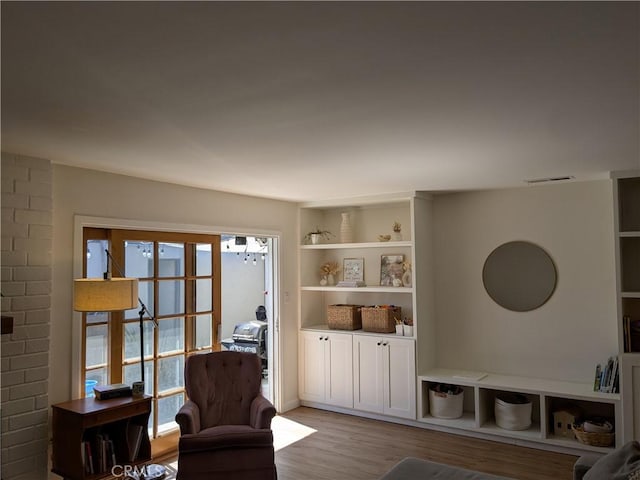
(345,447)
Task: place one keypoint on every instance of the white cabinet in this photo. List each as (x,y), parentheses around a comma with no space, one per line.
(326,373)
(631,396)
(384,375)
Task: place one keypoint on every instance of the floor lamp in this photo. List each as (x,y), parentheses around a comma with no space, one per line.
(109,294)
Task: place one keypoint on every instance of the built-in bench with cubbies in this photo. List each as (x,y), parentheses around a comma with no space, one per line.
(546,396)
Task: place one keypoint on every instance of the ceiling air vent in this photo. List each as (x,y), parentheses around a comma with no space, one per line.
(549,179)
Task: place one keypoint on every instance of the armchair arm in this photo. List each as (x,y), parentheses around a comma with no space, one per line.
(262,411)
(188,417)
(583,465)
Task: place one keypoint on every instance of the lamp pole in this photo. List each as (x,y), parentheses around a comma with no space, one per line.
(143,310)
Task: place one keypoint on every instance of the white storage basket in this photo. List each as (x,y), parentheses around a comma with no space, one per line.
(445,401)
(513,411)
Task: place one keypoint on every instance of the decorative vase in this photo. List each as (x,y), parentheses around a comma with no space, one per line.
(330,280)
(323,281)
(346,232)
(315,238)
(396,236)
(406,278)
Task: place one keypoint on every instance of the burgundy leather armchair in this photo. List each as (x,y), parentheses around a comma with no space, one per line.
(225,425)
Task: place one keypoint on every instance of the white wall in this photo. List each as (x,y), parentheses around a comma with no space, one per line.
(90,193)
(571,333)
(242,290)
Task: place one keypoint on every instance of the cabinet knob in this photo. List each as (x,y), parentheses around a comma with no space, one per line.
(379,343)
(326,338)
(384,344)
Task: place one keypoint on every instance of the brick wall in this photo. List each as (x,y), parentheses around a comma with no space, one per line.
(26,288)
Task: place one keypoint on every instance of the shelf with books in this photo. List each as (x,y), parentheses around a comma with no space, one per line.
(90,436)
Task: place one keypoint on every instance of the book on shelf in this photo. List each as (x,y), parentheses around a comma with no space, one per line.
(111,453)
(97,453)
(626,330)
(87,457)
(596,382)
(351,283)
(134,439)
(607,377)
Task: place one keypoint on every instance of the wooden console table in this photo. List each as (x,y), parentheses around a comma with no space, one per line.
(84,425)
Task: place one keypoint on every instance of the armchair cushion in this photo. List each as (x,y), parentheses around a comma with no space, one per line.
(226,436)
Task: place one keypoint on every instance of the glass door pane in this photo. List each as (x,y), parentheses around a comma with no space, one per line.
(203,259)
(96,258)
(170,335)
(132,340)
(170,297)
(167,409)
(204,295)
(138,259)
(171,261)
(97,338)
(203,331)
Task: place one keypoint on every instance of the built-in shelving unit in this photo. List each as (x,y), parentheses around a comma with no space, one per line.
(351,371)
(627,225)
(546,396)
(626,200)
(383,364)
(369,218)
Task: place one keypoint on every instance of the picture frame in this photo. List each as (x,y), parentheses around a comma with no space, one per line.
(391,270)
(353,269)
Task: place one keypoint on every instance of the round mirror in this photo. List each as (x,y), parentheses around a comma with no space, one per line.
(519,276)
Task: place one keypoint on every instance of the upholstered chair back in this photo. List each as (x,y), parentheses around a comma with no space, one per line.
(223,385)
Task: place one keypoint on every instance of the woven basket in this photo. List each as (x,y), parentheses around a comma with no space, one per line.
(379,319)
(592,438)
(344,317)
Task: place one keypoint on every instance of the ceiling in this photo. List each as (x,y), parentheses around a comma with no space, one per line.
(316,100)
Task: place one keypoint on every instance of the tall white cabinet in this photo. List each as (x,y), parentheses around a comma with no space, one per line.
(382,369)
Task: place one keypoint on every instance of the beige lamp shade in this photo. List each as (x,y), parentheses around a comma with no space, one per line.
(98,295)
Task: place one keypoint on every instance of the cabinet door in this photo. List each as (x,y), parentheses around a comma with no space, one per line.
(630,382)
(339,370)
(400,378)
(312,371)
(368,376)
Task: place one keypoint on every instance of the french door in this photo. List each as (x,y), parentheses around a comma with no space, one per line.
(180,284)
